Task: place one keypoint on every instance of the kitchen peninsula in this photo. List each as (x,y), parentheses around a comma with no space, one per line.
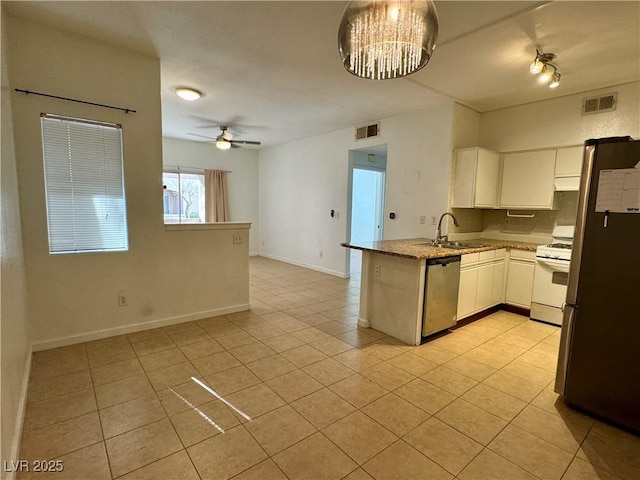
(396,283)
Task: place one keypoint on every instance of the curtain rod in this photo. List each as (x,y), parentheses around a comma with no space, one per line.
(28,92)
(178,167)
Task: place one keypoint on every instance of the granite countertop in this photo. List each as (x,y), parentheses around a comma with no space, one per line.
(420,248)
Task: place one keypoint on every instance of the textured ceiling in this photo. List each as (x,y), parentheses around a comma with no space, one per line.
(271,70)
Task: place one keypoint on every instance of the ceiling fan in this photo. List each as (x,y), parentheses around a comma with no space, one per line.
(224,140)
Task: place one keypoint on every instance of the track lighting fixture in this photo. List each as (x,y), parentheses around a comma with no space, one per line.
(547,72)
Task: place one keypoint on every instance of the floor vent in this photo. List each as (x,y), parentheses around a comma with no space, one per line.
(367,131)
(605,103)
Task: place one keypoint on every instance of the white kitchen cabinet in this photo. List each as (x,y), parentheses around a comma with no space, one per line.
(569,161)
(484,292)
(481,282)
(520,278)
(499,277)
(476,176)
(467,292)
(527,180)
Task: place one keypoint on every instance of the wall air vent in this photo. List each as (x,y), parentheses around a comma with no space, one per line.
(367,131)
(605,103)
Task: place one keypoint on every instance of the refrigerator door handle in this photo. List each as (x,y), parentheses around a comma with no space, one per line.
(565,340)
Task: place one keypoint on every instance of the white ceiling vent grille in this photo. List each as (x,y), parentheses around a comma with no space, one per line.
(367,131)
(605,103)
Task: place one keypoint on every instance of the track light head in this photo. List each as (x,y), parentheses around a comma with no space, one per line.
(547,72)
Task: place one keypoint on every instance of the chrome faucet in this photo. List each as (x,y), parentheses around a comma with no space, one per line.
(439,238)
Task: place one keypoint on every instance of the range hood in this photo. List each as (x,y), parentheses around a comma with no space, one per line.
(566,184)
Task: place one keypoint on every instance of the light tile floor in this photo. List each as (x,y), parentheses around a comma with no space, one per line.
(293,389)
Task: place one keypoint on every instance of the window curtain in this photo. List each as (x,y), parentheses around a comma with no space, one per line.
(216,196)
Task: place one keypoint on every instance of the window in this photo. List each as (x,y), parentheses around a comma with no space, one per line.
(184,196)
(84,183)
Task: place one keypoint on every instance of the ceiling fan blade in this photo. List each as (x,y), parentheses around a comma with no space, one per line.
(202,136)
(244,142)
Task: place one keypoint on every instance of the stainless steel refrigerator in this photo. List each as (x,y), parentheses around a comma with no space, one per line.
(599,362)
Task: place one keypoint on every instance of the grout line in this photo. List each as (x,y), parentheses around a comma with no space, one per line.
(329,294)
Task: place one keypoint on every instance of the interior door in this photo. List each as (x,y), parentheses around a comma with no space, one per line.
(367,205)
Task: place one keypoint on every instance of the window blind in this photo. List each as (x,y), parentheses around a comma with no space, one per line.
(84,183)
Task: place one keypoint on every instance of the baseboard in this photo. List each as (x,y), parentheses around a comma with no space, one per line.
(136,327)
(22,409)
(525,312)
(475,316)
(335,273)
(364,323)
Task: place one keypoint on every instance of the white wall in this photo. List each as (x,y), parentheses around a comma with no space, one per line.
(465,133)
(15,348)
(548,124)
(301,182)
(168,275)
(242,182)
(559,122)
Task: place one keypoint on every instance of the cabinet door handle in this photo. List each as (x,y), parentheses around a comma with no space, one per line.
(520,215)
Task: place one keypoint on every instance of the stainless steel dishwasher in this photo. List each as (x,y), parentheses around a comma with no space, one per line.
(440,294)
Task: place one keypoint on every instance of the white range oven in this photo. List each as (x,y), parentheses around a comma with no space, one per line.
(551,276)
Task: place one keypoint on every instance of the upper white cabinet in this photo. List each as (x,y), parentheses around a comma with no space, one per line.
(527,180)
(569,161)
(477,172)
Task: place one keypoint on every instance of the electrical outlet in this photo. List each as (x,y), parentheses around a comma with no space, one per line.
(336,214)
(422,219)
(433,221)
(123,301)
(321,255)
(376,269)
(237,238)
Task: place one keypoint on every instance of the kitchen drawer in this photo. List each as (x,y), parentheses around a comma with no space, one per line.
(469,258)
(524,255)
(486,256)
(502,253)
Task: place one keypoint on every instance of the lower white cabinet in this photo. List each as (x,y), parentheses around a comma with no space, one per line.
(467,291)
(481,281)
(520,278)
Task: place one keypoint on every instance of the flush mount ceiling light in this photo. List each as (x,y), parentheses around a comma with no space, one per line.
(383,39)
(547,72)
(188,93)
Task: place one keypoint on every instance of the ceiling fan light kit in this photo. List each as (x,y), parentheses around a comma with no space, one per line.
(547,72)
(383,39)
(223,144)
(224,140)
(187,93)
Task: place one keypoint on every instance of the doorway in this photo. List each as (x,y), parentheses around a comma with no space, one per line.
(367,173)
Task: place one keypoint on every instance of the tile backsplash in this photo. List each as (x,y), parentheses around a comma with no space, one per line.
(496,221)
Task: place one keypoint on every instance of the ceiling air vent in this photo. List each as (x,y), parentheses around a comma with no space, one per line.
(367,131)
(605,103)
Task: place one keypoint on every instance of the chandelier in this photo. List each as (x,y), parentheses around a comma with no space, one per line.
(383,39)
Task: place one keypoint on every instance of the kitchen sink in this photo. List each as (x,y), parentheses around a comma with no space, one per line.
(454,245)
(461,245)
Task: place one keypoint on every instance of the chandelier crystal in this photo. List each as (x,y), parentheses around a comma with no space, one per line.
(387,39)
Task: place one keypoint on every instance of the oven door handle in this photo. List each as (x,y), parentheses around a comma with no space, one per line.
(558,265)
